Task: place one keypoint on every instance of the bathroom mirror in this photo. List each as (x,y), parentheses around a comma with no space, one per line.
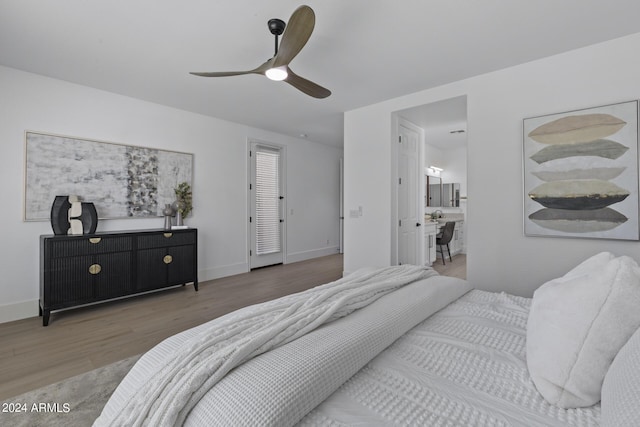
(451,195)
(433,191)
(441,195)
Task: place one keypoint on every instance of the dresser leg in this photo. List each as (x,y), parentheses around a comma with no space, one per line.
(195,286)
(45,317)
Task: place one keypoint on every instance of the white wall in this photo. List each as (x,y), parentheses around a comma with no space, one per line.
(32,102)
(367,183)
(455,168)
(454,165)
(433,156)
(499,256)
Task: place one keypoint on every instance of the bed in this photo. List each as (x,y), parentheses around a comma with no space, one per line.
(413,348)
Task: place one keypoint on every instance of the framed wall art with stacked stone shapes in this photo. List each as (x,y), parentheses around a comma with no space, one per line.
(122,181)
(581,173)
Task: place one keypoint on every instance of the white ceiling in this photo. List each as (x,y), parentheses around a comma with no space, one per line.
(442,122)
(364,51)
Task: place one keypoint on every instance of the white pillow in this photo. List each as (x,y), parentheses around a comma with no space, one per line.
(591,264)
(621,387)
(576,326)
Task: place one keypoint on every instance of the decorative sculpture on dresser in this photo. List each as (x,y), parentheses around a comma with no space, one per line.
(70,216)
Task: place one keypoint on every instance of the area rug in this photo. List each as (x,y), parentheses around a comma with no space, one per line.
(76,401)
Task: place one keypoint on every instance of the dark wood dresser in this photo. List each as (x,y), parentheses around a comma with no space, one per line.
(84,269)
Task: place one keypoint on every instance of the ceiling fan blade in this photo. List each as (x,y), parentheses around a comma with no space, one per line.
(306,86)
(221,73)
(296,35)
(258,70)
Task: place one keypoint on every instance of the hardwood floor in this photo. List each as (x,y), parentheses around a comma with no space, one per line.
(83,339)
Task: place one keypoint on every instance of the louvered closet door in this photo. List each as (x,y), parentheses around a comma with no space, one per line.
(266,218)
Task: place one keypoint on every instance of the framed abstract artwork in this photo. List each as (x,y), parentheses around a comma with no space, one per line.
(581,173)
(122,181)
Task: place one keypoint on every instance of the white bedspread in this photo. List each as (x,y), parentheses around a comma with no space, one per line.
(381,365)
(464,366)
(168,393)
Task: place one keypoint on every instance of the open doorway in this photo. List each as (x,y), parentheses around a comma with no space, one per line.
(443,181)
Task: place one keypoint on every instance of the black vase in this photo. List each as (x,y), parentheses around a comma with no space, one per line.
(60,215)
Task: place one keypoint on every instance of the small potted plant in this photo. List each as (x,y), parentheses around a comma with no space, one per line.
(184,201)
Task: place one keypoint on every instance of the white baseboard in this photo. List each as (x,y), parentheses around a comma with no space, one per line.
(315,253)
(18,310)
(243,267)
(26,309)
(222,271)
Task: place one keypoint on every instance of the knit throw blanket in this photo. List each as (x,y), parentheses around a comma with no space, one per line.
(167,397)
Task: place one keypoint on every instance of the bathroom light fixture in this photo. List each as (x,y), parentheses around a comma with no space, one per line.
(277,73)
(435,170)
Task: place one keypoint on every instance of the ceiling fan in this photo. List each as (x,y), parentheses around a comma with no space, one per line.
(298,32)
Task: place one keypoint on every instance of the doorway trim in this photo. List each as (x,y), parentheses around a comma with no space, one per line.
(283,171)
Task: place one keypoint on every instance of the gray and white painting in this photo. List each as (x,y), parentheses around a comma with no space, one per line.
(122,181)
(581,173)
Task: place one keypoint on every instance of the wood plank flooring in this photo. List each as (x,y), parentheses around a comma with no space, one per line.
(83,339)
(80,340)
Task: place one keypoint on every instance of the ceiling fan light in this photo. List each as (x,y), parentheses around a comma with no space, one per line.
(277,73)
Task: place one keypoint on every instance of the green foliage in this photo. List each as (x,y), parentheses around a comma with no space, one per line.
(183,194)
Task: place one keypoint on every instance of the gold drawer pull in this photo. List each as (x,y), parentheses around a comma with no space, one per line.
(95,240)
(95,269)
(167,259)
(167,235)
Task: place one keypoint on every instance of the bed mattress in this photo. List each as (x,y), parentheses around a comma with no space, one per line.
(464,365)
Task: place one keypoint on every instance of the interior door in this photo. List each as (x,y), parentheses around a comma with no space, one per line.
(266,218)
(409,200)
